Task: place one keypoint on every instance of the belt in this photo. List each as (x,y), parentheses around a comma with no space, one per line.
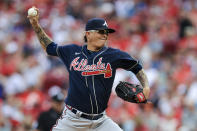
(90,117)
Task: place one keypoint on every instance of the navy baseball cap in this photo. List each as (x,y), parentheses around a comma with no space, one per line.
(98,24)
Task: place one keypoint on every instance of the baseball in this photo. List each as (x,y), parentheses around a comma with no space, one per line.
(32,12)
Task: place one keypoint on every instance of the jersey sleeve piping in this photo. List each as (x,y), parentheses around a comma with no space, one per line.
(57,51)
(133,66)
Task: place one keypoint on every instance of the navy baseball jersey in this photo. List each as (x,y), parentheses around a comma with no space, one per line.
(91,74)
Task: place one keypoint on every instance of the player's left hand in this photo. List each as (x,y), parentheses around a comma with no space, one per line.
(131,92)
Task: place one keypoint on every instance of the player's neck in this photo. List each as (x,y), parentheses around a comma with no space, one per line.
(93,48)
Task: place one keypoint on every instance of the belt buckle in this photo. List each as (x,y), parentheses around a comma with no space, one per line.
(92,117)
(95,117)
(78,113)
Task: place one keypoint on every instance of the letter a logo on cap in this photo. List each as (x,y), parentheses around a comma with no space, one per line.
(105,24)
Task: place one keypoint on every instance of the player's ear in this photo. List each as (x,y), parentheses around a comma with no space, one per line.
(86,33)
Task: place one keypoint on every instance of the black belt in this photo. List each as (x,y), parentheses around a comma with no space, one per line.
(90,117)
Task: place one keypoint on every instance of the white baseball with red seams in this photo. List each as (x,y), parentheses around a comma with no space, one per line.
(32,12)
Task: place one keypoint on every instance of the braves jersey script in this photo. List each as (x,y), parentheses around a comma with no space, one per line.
(91,74)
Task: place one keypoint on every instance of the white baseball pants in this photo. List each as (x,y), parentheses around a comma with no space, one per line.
(71,122)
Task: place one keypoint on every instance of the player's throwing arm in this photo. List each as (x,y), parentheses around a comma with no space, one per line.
(33,15)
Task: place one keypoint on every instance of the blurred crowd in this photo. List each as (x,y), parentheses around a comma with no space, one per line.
(162,34)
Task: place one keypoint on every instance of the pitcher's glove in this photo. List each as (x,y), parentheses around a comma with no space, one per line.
(130,92)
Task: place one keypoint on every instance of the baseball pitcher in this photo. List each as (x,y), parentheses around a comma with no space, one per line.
(92,68)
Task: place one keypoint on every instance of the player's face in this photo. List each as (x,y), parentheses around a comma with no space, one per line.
(97,38)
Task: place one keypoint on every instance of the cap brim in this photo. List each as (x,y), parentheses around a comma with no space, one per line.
(110,30)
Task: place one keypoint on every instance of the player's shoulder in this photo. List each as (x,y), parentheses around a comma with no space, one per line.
(44,115)
(71,46)
(115,50)
(118,53)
